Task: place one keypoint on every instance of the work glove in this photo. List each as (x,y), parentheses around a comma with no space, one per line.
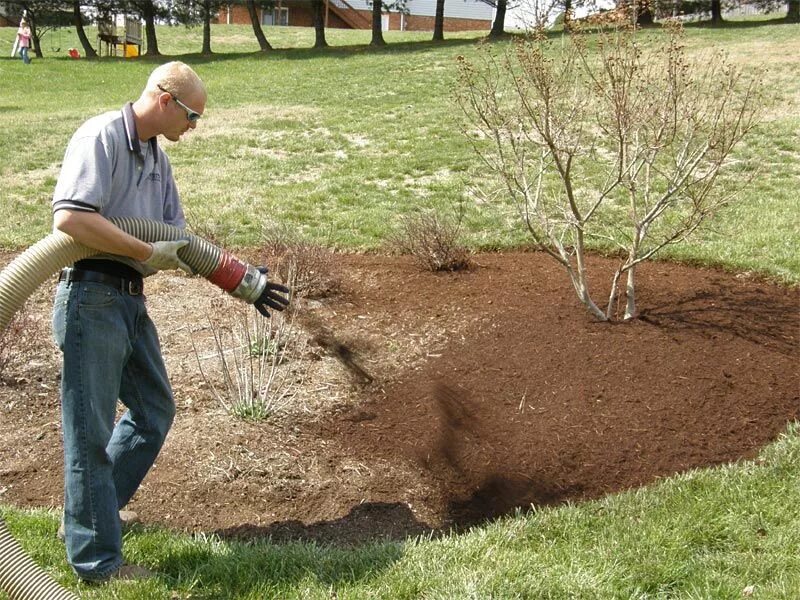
(165,256)
(274,296)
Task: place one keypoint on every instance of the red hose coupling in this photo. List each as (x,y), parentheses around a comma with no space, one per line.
(229,273)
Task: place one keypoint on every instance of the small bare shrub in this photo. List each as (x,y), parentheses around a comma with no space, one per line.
(433,241)
(247,369)
(313,267)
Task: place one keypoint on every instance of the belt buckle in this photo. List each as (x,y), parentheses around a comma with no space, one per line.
(135,287)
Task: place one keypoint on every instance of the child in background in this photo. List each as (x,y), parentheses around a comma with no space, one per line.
(24,40)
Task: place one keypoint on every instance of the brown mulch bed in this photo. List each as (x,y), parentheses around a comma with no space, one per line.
(491,390)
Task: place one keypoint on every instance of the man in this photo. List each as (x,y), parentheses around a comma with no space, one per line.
(113,167)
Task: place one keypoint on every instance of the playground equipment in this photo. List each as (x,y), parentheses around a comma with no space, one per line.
(123,32)
(55,45)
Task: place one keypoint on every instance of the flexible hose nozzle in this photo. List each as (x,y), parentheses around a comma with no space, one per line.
(251,286)
(238,279)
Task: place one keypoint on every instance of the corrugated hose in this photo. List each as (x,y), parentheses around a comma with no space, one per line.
(20,577)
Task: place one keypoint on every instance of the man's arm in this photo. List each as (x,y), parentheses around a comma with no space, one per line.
(95,231)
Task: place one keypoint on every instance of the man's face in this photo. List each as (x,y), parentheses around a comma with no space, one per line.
(182,114)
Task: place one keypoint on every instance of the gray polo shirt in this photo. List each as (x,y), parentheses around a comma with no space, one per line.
(107,170)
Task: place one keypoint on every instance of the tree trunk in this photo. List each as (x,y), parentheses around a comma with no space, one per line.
(377,26)
(644,14)
(499,24)
(630,295)
(149,15)
(716,12)
(262,39)
(206,51)
(579,282)
(793,12)
(438,22)
(37,43)
(318,10)
(77,18)
(568,10)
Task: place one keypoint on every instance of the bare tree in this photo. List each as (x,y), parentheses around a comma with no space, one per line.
(150,11)
(257,29)
(535,15)
(77,18)
(197,12)
(622,146)
(716,12)
(377,24)
(793,11)
(318,12)
(438,22)
(499,24)
(208,9)
(378,7)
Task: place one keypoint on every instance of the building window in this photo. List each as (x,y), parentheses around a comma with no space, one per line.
(276,16)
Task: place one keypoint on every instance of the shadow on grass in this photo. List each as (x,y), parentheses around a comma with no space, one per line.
(274,560)
(407,47)
(262,568)
(341,52)
(748,24)
(497,496)
(365,523)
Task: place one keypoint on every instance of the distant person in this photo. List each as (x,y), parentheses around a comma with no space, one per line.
(24,41)
(114,167)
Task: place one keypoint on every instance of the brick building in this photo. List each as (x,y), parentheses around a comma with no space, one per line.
(459,15)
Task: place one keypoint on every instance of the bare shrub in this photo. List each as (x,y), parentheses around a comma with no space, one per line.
(249,368)
(313,267)
(432,240)
(624,146)
(534,15)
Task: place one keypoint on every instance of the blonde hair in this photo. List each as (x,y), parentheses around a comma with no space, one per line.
(176,77)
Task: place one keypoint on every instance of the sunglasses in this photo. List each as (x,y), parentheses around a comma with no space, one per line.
(191,115)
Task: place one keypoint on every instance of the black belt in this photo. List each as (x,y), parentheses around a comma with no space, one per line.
(134,287)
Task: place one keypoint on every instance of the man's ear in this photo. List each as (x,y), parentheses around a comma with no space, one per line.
(163,99)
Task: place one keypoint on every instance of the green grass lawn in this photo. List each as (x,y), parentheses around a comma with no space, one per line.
(340,144)
(705,534)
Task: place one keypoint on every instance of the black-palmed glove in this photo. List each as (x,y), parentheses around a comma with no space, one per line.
(274,296)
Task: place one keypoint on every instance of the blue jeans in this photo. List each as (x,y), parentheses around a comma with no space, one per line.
(111,351)
(25,58)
